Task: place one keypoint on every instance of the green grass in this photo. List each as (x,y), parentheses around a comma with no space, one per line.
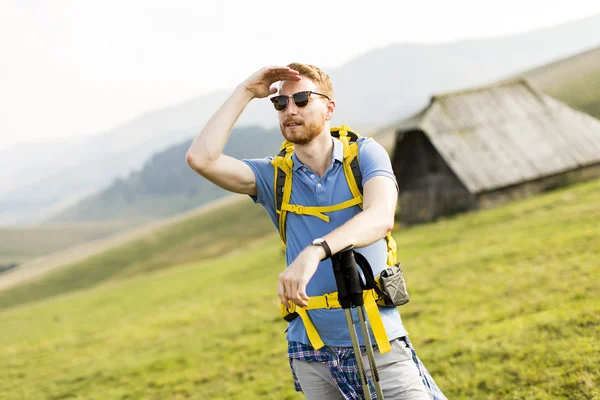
(152,337)
(505,303)
(197,238)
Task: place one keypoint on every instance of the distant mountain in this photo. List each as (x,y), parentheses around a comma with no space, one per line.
(166,185)
(395,81)
(35,179)
(371,90)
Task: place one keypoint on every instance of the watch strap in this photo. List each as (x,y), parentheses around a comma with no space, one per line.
(324,245)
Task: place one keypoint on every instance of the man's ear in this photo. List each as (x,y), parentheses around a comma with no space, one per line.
(330,110)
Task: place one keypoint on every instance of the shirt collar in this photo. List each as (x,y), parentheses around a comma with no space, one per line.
(337,154)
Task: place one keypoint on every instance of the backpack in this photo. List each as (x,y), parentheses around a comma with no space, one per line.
(283,165)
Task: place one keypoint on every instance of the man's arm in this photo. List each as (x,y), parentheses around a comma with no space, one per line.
(380,196)
(373,223)
(205,154)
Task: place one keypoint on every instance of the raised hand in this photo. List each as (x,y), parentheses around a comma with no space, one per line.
(259,83)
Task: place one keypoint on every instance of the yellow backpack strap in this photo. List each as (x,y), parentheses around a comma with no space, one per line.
(352,171)
(354,176)
(283,165)
(351,162)
(317,211)
(376,322)
(392,249)
(344,130)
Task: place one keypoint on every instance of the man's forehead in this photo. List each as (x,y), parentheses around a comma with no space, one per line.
(291,87)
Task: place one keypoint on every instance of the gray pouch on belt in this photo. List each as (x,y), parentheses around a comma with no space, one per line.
(393,285)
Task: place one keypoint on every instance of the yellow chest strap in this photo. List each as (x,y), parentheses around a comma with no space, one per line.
(317,211)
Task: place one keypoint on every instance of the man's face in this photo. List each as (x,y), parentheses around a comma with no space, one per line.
(300,125)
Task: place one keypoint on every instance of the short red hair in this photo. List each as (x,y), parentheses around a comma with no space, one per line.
(315,74)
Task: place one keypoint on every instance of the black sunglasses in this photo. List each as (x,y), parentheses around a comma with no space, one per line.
(300,99)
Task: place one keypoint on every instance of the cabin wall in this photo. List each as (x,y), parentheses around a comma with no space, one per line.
(428,188)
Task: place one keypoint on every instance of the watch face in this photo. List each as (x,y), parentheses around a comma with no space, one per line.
(318,241)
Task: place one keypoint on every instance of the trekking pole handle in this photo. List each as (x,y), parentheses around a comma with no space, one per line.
(340,282)
(350,271)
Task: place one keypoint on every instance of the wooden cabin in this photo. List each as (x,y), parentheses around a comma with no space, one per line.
(481,147)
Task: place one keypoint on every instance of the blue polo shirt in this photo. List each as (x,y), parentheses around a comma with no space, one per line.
(330,189)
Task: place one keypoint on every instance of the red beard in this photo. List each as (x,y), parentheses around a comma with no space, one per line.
(302,134)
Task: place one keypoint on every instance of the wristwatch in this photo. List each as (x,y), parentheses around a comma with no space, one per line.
(321,242)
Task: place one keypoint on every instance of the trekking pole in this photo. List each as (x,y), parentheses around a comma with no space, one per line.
(346,303)
(350,271)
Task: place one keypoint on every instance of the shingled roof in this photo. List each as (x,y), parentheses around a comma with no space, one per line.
(506,133)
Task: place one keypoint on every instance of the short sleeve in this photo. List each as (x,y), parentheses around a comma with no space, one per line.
(374,160)
(263,174)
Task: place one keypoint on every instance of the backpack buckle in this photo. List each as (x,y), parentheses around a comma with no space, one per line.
(327,302)
(296,209)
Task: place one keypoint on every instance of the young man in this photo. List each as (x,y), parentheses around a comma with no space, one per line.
(305,107)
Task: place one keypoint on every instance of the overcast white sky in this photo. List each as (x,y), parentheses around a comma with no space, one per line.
(71,67)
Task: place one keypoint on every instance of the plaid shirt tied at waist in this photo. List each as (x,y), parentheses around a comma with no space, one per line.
(344,369)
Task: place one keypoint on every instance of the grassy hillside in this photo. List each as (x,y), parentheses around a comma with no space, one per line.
(199,237)
(505,303)
(574,80)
